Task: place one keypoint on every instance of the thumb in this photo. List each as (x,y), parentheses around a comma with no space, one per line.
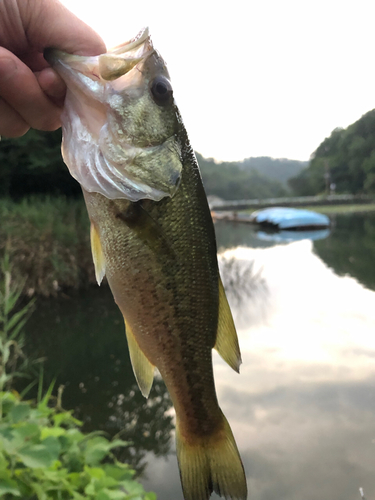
(48,23)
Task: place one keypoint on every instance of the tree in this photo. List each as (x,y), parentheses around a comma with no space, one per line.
(346,158)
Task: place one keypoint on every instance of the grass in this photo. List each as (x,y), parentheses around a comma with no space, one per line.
(47,240)
(342,209)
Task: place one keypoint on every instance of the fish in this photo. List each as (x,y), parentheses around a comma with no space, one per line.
(152,236)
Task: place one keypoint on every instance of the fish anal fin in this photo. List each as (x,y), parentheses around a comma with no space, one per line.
(97,254)
(143,369)
(226,338)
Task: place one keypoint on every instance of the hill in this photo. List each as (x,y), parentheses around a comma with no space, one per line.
(231,181)
(32,165)
(277,169)
(345,159)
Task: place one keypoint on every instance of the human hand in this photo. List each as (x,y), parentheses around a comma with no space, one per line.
(31,93)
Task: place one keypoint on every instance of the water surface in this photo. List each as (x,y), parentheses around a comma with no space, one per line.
(303,408)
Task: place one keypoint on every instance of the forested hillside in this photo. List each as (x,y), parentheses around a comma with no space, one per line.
(345,159)
(278,169)
(230,181)
(32,164)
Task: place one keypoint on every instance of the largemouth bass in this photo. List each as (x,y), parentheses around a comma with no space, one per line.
(152,236)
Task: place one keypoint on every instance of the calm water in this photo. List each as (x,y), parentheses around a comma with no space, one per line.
(303,408)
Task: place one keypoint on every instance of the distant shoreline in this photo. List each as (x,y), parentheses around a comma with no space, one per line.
(48,242)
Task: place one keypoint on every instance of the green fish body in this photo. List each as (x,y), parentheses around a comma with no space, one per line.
(158,251)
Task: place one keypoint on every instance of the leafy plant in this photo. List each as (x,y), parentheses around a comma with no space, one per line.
(44,455)
(12,321)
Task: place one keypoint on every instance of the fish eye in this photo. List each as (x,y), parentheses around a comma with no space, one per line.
(161,90)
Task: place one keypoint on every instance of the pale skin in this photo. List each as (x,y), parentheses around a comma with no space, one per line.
(31,93)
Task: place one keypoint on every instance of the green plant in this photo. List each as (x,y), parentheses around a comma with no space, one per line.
(12,321)
(44,455)
(48,242)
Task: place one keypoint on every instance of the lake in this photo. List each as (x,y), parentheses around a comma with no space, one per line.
(303,408)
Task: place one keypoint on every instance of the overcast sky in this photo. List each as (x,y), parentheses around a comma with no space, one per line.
(255,78)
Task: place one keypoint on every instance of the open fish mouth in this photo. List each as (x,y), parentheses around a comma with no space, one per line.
(106,67)
(124,57)
(117,141)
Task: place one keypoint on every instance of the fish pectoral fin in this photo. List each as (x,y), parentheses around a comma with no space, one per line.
(97,254)
(226,338)
(143,369)
(138,219)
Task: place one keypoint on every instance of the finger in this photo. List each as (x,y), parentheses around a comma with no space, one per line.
(50,24)
(11,123)
(33,59)
(20,89)
(52,85)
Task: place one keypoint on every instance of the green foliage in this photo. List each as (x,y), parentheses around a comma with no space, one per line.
(33,164)
(47,240)
(346,158)
(12,320)
(44,455)
(277,169)
(231,182)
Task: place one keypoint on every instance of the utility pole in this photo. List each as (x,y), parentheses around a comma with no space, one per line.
(327,175)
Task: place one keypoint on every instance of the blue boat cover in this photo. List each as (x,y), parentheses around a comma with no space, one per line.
(284,218)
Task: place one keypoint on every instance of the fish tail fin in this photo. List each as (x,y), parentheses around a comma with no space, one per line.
(211,463)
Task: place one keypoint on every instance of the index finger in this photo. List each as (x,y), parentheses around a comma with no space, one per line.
(20,89)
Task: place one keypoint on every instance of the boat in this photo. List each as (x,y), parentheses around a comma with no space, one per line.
(292,219)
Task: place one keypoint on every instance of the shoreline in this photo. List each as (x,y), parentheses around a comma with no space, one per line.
(48,242)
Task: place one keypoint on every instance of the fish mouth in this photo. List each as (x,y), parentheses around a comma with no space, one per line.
(105,67)
(101,145)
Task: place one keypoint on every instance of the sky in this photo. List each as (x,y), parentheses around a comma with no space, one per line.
(254,77)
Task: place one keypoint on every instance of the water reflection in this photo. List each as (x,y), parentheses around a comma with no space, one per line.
(147,424)
(303,408)
(240,279)
(289,236)
(83,339)
(351,247)
(304,405)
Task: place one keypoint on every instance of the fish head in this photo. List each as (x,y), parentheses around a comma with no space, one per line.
(120,121)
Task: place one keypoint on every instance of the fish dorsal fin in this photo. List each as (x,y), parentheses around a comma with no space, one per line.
(143,369)
(226,337)
(97,254)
